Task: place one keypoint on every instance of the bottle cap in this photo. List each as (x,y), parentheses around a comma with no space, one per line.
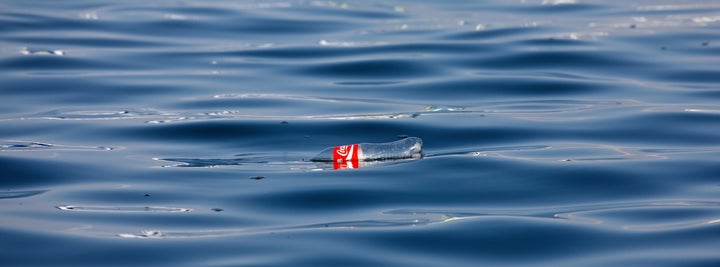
(345,157)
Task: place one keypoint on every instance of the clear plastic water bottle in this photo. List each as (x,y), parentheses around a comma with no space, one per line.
(350,156)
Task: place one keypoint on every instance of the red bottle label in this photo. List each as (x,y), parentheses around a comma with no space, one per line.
(345,157)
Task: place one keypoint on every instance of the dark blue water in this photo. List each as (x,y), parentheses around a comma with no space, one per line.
(169,133)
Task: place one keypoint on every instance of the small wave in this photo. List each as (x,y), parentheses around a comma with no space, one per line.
(369,116)
(369,83)
(629,216)
(649,217)
(20,194)
(370,68)
(46,52)
(94,114)
(207,163)
(116,209)
(351,225)
(568,152)
(484,151)
(39,146)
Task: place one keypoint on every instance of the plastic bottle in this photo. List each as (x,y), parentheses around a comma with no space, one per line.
(350,156)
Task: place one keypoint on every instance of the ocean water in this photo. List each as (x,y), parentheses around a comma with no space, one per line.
(179,133)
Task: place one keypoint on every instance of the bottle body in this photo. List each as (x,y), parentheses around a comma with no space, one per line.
(349,156)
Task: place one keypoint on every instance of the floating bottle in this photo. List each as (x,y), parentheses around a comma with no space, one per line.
(350,156)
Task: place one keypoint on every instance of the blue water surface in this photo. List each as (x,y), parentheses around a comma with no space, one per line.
(179,133)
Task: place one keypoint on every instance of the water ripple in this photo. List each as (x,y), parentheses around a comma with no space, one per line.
(94,114)
(363,224)
(631,216)
(114,209)
(650,216)
(8,146)
(20,194)
(379,68)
